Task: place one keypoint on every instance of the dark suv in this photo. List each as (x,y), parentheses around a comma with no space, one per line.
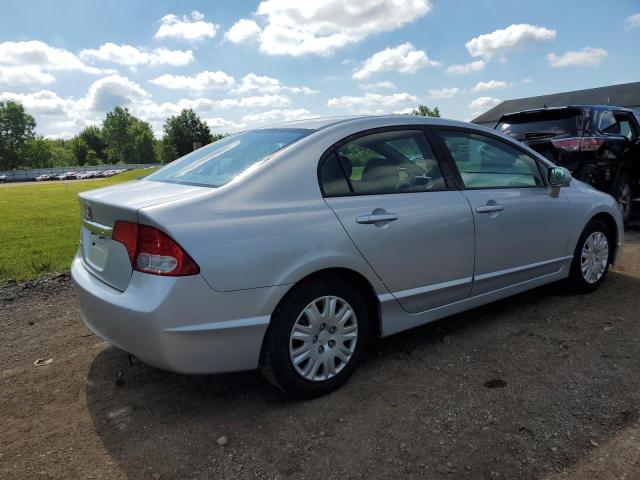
(600,145)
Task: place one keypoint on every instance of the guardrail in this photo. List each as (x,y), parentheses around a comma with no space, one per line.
(29,175)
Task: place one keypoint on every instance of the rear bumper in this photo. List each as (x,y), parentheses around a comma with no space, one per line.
(178,323)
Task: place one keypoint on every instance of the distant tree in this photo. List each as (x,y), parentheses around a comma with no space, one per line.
(92,158)
(38,153)
(16,129)
(92,136)
(183,130)
(425,111)
(61,153)
(127,137)
(165,151)
(142,137)
(80,150)
(116,131)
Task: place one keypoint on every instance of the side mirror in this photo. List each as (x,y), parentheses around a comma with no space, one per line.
(559,177)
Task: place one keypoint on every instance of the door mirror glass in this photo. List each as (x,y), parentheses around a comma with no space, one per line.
(559,177)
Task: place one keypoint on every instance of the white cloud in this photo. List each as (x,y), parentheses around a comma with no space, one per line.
(26,75)
(403,58)
(259,101)
(201,81)
(191,28)
(106,93)
(277,115)
(633,21)
(482,104)
(294,27)
(514,37)
(466,68)
(444,92)
(491,85)
(405,111)
(252,82)
(373,102)
(587,57)
(377,85)
(32,62)
(131,56)
(222,124)
(43,102)
(243,31)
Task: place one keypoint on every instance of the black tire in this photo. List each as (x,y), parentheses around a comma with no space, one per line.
(623,193)
(576,281)
(275,362)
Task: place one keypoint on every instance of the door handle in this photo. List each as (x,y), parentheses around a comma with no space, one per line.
(377,218)
(489,208)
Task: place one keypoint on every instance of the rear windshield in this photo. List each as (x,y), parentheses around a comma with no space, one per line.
(217,163)
(541,124)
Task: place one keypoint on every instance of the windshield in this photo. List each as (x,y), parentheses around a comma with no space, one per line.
(541,124)
(217,163)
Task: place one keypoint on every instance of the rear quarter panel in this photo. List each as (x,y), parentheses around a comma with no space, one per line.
(266,227)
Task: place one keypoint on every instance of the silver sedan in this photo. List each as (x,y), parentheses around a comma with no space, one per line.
(291,248)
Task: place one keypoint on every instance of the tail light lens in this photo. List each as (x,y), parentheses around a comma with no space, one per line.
(153,251)
(578,144)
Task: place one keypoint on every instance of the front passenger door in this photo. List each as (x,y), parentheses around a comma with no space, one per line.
(520,229)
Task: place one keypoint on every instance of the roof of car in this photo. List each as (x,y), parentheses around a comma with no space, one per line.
(320,123)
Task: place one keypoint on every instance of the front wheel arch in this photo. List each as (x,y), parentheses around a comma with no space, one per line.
(611,224)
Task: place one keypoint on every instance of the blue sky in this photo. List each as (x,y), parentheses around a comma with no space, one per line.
(248,63)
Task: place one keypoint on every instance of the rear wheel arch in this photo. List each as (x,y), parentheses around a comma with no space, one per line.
(353,277)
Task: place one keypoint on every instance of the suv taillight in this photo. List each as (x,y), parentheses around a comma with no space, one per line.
(578,144)
(153,251)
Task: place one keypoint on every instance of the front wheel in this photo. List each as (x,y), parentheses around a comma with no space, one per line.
(317,337)
(591,258)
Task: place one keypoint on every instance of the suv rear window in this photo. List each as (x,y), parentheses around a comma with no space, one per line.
(552,123)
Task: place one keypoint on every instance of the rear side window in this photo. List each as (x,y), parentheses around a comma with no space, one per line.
(552,123)
(382,163)
(484,162)
(332,176)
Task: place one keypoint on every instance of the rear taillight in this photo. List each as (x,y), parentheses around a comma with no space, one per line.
(153,251)
(578,144)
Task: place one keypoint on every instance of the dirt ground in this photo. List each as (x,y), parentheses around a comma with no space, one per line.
(565,402)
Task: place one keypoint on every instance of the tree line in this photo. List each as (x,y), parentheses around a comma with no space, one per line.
(121,138)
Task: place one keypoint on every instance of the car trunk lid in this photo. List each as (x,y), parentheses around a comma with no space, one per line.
(100,209)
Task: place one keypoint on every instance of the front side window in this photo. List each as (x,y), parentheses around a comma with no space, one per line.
(484,162)
(382,163)
(217,163)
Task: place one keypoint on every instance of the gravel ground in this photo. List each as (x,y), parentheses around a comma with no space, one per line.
(541,385)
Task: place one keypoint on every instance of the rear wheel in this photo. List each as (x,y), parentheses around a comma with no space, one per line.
(317,337)
(624,196)
(591,258)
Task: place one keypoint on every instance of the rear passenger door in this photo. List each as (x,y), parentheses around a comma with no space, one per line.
(406,218)
(520,229)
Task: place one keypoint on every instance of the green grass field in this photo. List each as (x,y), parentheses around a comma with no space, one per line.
(40,225)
